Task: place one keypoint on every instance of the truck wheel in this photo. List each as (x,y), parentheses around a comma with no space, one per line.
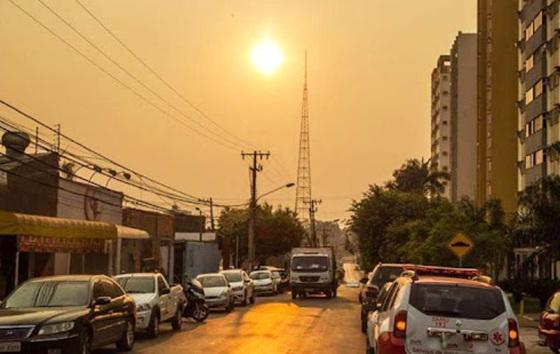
(328,294)
(153,327)
(334,293)
(177,320)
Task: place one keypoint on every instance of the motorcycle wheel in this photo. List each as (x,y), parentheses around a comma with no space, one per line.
(200,312)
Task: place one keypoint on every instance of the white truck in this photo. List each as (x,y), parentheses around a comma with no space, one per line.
(313,270)
(156,301)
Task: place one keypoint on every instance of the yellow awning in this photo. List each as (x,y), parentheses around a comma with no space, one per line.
(46,226)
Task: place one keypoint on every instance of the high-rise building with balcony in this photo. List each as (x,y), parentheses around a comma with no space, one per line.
(496,101)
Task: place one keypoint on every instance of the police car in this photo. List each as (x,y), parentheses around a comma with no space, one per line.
(432,310)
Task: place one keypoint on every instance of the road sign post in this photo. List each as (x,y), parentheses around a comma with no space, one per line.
(460,245)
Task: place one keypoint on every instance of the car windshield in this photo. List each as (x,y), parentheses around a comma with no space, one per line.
(49,294)
(260,275)
(384,274)
(457,301)
(310,264)
(137,285)
(212,281)
(233,277)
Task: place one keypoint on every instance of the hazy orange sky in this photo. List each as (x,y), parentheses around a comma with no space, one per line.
(369,82)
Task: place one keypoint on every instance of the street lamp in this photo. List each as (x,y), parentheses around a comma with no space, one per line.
(288,185)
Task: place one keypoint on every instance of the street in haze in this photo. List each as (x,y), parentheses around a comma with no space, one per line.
(274,325)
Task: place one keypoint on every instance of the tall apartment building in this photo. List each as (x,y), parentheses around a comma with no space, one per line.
(441,118)
(539,91)
(454,116)
(497,103)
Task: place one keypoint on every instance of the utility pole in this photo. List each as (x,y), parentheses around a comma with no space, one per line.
(312,229)
(255,168)
(210,202)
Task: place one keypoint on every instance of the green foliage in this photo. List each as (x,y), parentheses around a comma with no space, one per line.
(277,231)
(407,221)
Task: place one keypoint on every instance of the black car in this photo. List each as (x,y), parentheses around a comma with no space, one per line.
(372,284)
(67,314)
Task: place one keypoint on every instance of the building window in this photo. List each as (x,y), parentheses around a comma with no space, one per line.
(534,126)
(529,63)
(529,96)
(534,159)
(533,26)
(538,89)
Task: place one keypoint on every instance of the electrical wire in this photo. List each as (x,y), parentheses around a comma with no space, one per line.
(132,76)
(157,75)
(135,92)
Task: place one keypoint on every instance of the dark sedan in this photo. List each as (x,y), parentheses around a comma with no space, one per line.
(67,314)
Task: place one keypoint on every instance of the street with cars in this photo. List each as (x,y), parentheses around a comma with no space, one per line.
(397,306)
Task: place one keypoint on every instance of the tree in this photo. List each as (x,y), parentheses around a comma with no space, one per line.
(277,231)
(419,176)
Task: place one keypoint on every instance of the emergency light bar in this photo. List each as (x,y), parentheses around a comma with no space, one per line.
(421,270)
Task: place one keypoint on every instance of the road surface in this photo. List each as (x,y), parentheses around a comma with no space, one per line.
(278,324)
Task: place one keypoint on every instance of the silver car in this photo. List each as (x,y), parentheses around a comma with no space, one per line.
(242,286)
(217,291)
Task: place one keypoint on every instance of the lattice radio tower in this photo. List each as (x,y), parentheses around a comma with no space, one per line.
(303,189)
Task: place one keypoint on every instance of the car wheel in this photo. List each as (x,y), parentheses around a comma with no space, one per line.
(153,327)
(126,343)
(85,342)
(177,320)
(200,312)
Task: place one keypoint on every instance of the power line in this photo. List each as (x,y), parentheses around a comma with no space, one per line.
(135,78)
(135,92)
(150,69)
(107,159)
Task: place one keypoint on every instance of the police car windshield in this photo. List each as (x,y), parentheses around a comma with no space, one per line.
(451,300)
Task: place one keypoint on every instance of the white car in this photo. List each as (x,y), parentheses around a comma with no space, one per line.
(443,310)
(156,301)
(265,282)
(241,285)
(217,291)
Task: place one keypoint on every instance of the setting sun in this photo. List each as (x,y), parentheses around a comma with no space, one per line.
(267,57)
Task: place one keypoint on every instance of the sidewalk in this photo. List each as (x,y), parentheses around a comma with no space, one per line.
(529,320)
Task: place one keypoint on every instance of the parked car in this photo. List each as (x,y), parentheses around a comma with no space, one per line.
(381,274)
(265,283)
(67,315)
(549,325)
(375,305)
(217,291)
(156,301)
(436,309)
(242,286)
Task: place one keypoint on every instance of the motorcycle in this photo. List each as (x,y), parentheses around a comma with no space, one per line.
(196,307)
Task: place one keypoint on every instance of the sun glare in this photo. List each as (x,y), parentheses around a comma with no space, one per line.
(267,57)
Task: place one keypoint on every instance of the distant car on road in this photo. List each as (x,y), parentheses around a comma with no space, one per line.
(67,315)
(264,281)
(156,301)
(549,325)
(444,310)
(217,291)
(242,286)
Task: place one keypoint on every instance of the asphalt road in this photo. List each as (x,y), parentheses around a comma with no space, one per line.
(277,324)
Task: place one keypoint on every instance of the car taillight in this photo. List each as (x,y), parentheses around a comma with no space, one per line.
(513,333)
(399,326)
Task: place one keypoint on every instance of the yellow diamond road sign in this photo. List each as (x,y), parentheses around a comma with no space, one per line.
(461,245)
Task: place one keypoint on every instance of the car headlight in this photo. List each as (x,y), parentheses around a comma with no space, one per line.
(143,307)
(56,328)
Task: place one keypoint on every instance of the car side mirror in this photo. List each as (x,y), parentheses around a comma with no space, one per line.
(364,280)
(102,300)
(164,291)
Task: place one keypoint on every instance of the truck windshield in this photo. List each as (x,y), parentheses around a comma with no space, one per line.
(310,264)
(49,294)
(137,285)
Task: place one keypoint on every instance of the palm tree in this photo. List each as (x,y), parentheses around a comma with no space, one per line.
(419,176)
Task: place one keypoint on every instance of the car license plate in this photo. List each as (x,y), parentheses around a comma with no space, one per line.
(10,347)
